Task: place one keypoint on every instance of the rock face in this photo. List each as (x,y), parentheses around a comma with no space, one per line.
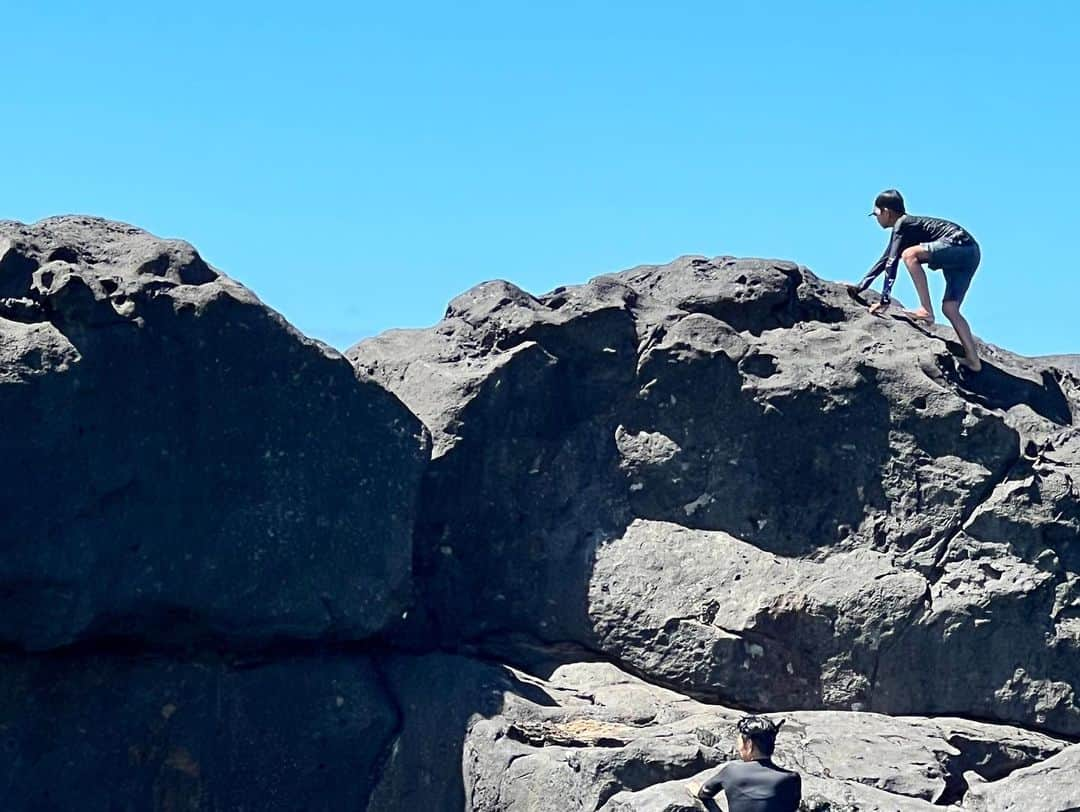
(599,739)
(1049,785)
(236,572)
(720,468)
(180,463)
(342,731)
(118,732)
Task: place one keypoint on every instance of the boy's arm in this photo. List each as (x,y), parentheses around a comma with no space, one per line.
(709,790)
(892,261)
(874,271)
(712,787)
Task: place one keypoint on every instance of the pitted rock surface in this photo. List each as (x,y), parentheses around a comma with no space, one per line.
(1050,784)
(181,464)
(653,741)
(532,558)
(103,732)
(882,507)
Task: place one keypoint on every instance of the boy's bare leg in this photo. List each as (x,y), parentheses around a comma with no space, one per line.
(963,332)
(914,257)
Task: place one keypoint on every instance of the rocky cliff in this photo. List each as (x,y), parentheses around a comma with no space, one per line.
(538,557)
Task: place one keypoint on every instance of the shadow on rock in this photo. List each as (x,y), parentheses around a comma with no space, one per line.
(995,388)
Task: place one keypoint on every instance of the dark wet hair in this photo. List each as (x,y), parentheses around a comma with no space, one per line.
(890,199)
(761,731)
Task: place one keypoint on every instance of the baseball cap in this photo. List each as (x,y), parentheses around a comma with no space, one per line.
(890,199)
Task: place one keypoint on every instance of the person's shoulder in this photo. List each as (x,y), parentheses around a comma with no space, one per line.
(791,778)
(733,768)
(786,773)
(774,766)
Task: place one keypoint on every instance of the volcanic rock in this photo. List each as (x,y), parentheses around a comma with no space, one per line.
(1050,785)
(236,571)
(599,739)
(181,464)
(105,732)
(718,468)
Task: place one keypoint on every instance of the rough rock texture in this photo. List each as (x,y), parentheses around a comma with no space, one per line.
(696,467)
(439,697)
(1052,784)
(180,463)
(1066,362)
(601,739)
(228,581)
(117,732)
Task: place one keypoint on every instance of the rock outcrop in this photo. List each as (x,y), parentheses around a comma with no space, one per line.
(1049,785)
(603,740)
(107,731)
(540,556)
(720,468)
(182,464)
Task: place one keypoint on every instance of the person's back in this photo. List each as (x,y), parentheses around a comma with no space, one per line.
(759,786)
(755,783)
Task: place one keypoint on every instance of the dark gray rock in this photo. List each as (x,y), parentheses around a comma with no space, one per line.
(722,474)
(1069,363)
(180,463)
(1051,785)
(439,697)
(820,629)
(601,739)
(530,385)
(892,511)
(112,732)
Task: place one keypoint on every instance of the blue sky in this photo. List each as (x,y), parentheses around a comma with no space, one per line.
(358,165)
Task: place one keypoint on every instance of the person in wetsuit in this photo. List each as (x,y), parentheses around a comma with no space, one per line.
(939,243)
(754,784)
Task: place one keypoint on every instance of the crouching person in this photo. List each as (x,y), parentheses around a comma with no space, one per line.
(754,784)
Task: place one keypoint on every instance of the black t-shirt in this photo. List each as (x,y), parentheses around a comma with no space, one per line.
(911,230)
(755,786)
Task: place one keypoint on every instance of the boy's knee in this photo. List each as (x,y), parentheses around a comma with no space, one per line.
(950,308)
(915,254)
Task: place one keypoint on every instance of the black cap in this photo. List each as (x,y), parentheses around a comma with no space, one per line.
(890,199)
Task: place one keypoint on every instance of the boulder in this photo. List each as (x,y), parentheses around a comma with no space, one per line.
(602,739)
(1050,785)
(182,464)
(610,460)
(439,697)
(105,732)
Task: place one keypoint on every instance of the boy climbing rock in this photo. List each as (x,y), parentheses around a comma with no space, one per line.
(939,243)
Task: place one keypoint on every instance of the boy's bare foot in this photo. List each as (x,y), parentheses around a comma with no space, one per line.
(920,314)
(968,363)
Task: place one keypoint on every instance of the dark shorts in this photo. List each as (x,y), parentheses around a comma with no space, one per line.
(957,262)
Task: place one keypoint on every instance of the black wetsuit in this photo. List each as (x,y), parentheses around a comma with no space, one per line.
(755,786)
(912,230)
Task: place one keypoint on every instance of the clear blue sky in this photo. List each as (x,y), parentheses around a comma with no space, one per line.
(360,164)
